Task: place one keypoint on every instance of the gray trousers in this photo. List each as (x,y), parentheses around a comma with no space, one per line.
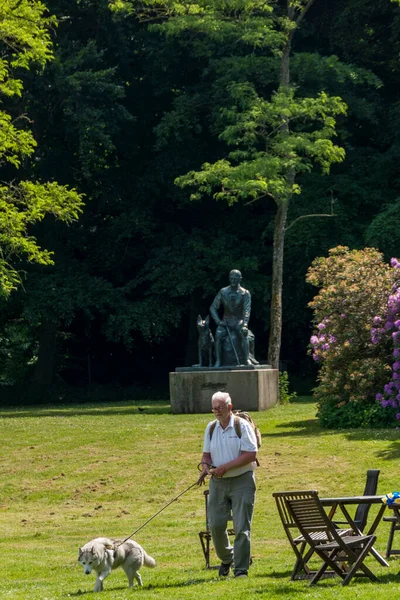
(232,495)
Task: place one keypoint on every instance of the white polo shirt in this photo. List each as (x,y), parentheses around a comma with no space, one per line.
(225,445)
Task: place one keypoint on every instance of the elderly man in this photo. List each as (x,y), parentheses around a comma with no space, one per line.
(229,455)
(236,304)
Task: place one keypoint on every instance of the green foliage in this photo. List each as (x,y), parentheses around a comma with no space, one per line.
(354,285)
(285,395)
(21,206)
(264,151)
(271,137)
(383,232)
(17,352)
(25,40)
(25,33)
(354,415)
(92,105)
(25,43)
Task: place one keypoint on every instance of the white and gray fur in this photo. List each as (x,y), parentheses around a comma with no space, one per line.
(103,555)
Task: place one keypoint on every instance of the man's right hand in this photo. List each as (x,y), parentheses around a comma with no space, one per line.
(202,477)
(205,467)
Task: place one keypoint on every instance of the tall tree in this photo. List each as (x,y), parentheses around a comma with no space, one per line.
(25,44)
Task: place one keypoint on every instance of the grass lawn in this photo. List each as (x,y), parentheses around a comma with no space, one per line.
(72,473)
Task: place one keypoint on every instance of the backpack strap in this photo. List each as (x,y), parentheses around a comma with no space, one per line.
(239,433)
(212,427)
(237,427)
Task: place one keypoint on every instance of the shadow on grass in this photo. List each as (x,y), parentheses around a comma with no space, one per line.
(390,453)
(284,588)
(145,588)
(308,427)
(100,410)
(303,587)
(361,435)
(312,427)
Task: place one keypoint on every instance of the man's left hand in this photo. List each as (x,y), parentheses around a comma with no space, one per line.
(218,471)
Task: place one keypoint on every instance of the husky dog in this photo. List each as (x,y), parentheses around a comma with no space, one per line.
(102,555)
(205,344)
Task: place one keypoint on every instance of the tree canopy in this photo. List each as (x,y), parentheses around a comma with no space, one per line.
(25,42)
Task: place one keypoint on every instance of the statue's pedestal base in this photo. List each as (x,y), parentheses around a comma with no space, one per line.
(251,389)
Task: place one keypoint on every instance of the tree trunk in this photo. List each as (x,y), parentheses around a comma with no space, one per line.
(277,281)
(195,308)
(44,368)
(274,347)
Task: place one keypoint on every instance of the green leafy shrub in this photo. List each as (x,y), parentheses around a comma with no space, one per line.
(354,286)
(285,396)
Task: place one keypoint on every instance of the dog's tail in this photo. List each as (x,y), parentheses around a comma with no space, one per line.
(148,560)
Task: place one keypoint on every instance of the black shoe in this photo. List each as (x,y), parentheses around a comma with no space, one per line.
(240,573)
(224,569)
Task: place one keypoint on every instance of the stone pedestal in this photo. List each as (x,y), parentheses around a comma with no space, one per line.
(250,389)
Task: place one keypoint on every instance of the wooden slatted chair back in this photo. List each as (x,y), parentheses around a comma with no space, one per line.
(311,518)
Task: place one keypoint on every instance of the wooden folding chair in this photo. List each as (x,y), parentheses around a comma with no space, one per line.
(345,554)
(302,551)
(298,543)
(296,540)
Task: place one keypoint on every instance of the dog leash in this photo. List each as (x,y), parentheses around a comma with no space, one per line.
(161,509)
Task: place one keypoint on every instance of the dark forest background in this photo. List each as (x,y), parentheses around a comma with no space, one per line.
(118,309)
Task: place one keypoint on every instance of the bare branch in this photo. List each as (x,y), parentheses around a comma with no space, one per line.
(304,11)
(332,214)
(308,217)
(267,195)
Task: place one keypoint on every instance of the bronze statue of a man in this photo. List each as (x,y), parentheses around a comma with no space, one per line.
(236,304)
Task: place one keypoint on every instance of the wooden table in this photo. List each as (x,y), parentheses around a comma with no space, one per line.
(345,501)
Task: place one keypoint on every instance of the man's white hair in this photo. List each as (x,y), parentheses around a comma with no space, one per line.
(222,396)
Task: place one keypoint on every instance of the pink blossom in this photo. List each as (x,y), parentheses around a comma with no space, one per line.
(395,263)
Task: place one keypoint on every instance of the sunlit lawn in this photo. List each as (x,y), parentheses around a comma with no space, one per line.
(69,474)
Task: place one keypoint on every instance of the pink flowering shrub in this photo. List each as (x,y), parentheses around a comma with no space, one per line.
(387,331)
(353,289)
